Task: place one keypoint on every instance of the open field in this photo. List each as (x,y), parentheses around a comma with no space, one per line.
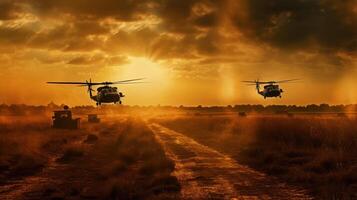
(317,153)
(180,156)
(117,159)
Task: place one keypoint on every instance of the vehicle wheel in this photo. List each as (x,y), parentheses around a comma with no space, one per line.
(119,102)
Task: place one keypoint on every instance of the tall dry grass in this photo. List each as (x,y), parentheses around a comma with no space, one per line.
(134,152)
(26,143)
(318,153)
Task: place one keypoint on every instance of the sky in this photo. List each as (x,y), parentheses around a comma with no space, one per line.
(191,52)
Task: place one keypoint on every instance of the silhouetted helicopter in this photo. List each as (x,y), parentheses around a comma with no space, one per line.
(270,89)
(105,93)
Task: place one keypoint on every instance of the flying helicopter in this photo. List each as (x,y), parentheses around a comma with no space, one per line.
(105,93)
(271,88)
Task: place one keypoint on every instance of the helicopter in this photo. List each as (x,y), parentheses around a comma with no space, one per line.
(105,93)
(271,88)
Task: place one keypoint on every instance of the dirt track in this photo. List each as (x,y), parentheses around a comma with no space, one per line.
(207,174)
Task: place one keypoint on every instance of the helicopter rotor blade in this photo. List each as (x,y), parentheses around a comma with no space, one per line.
(130,83)
(259,82)
(127,81)
(68,83)
(118,82)
(289,80)
(271,82)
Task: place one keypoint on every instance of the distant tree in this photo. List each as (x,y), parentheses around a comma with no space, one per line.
(324,107)
(312,108)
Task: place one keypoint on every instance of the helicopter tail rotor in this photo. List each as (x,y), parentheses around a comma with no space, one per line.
(90,89)
(257,85)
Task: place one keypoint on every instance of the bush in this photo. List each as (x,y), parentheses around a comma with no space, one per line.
(71,154)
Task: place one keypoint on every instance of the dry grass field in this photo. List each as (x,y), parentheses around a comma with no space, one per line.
(116,159)
(121,158)
(316,152)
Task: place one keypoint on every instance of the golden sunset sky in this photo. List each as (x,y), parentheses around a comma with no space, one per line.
(190,51)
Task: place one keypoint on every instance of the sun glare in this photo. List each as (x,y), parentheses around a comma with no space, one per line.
(143,67)
(345,92)
(156,79)
(228,86)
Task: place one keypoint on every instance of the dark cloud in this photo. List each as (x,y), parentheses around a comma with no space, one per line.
(218,60)
(81,27)
(125,10)
(187,29)
(7,10)
(206,20)
(328,24)
(98,59)
(87,27)
(71,36)
(15,35)
(207,44)
(184,16)
(85,60)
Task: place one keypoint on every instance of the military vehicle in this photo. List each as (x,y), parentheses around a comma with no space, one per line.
(62,119)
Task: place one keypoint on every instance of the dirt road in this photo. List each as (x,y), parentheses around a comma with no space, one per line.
(207,174)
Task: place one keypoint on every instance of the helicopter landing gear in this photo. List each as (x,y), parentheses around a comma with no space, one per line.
(280,96)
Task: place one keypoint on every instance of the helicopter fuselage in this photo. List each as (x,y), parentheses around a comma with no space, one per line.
(107,94)
(271,88)
(271,91)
